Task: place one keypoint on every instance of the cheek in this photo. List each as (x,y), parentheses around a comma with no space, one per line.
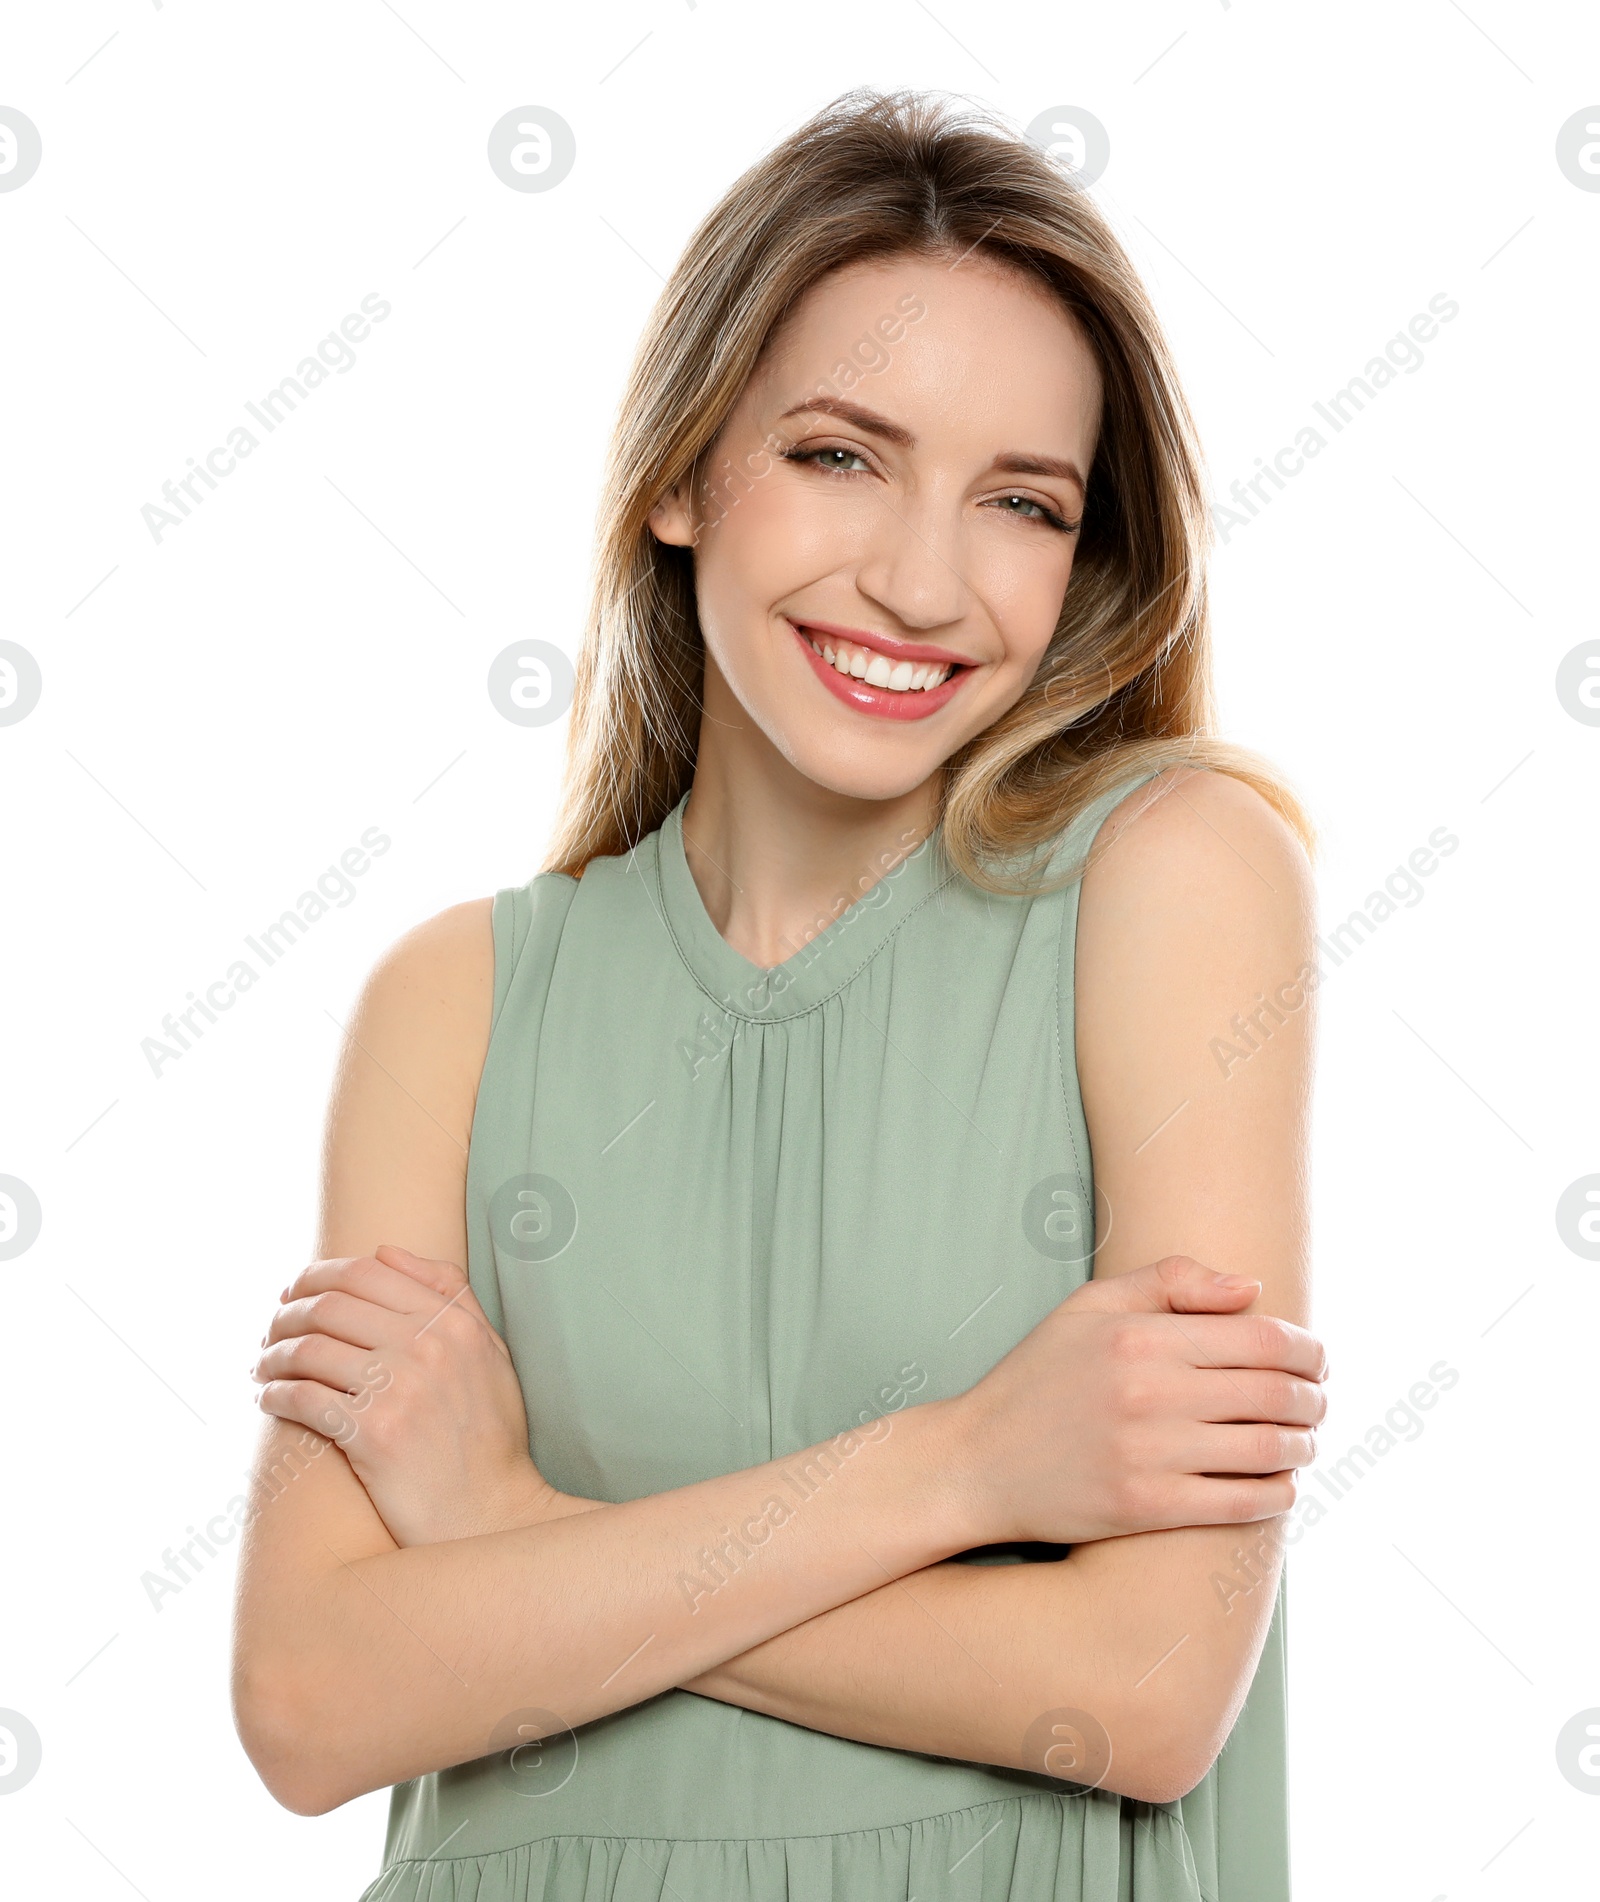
(794,529)
(776,541)
(1025,597)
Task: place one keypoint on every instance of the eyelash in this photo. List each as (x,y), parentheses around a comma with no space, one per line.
(1048,516)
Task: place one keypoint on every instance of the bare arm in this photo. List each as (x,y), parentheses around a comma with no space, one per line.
(1197,908)
(355,1663)
(359,1663)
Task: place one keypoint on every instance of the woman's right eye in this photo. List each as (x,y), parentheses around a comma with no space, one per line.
(816,458)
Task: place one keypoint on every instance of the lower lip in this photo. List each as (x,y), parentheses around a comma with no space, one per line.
(880,700)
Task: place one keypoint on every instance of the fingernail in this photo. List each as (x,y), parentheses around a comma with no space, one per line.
(284,1296)
(1235,1281)
(263,1340)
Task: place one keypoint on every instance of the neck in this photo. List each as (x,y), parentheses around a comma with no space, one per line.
(776,857)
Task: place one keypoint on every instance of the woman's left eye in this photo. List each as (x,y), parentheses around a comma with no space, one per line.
(833,459)
(1040,514)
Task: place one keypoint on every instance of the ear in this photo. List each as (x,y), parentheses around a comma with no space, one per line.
(671,521)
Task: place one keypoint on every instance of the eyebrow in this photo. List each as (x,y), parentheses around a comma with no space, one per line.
(1012,461)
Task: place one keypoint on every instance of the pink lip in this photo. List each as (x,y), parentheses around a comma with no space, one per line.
(880,700)
(883,643)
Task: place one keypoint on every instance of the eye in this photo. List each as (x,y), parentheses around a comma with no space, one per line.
(1040,512)
(818,458)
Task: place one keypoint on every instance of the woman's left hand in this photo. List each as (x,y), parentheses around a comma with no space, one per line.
(391,1357)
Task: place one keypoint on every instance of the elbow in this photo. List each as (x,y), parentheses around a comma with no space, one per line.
(1149,1756)
(1153,1779)
(1145,1774)
(1163,1768)
(285,1742)
(1144,1756)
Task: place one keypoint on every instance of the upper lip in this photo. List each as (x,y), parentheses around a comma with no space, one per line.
(883,643)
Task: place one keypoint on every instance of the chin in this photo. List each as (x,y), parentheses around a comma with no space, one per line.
(864,772)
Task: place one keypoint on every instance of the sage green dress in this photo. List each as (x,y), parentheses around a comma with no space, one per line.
(721,1214)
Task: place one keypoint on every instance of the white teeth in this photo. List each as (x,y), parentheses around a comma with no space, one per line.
(877,670)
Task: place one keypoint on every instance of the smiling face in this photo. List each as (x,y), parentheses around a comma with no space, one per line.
(881,550)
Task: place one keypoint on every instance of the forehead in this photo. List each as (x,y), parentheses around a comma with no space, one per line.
(931,331)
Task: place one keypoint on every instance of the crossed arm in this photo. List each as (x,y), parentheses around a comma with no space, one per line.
(363,1659)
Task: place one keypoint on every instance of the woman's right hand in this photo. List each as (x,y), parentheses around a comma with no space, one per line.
(391,1357)
(1144,1401)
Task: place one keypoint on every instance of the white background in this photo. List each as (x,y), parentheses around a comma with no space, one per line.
(225,712)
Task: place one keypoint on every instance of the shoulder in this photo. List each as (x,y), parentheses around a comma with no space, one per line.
(423,1016)
(1201,845)
(446,960)
(1198,897)
(399,1120)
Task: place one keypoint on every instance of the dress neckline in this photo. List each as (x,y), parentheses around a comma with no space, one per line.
(819,968)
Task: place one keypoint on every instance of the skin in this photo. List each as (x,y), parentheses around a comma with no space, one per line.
(930,542)
(1186,1405)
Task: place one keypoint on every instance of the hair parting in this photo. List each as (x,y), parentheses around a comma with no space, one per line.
(1125,683)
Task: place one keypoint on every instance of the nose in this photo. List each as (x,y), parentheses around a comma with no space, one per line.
(912,564)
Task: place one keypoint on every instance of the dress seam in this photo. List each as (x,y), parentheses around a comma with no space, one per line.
(1073,899)
(1127,1804)
(789,1017)
(1061,1060)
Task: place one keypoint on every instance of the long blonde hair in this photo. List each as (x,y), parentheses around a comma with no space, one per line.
(1125,683)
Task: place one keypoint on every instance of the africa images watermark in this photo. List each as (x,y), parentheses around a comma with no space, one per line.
(1401,355)
(712,1039)
(868,356)
(1401,1422)
(1252,1029)
(333,355)
(333,889)
(716,1565)
(337,1428)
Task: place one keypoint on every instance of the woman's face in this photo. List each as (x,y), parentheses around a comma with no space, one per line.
(885,526)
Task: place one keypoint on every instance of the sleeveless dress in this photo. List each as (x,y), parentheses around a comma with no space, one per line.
(720,1214)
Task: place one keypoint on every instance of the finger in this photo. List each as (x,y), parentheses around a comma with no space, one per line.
(391,1286)
(344,1317)
(386,1288)
(1221,1450)
(1205,1501)
(1251,1393)
(443,1277)
(1251,1340)
(309,1404)
(1185,1286)
(367,1278)
(1174,1285)
(321,1358)
(1180,1286)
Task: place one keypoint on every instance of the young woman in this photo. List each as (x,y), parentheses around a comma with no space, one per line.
(819,1484)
